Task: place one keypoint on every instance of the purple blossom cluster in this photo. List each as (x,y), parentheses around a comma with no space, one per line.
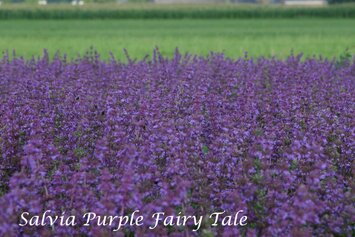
(189,134)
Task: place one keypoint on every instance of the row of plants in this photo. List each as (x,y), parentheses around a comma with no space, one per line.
(187,135)
(151,11)
(146,1)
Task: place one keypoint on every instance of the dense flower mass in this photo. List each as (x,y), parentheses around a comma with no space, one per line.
(191,135)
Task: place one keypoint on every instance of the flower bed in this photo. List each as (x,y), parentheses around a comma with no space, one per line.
(185,136)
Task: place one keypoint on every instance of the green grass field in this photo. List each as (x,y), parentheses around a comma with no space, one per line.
(259,37)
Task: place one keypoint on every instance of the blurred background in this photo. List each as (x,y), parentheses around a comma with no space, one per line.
(284,2)
(268,28)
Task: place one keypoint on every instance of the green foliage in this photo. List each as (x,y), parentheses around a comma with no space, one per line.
(344,59)
(31,1)
(79,152)
(13,1)
(207,233)
(100,1)
(150,11)
(205,149)
(258,37)
(137,1)
(340,1)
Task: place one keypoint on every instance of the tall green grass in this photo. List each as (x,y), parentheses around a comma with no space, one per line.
(259,37)
(153,11)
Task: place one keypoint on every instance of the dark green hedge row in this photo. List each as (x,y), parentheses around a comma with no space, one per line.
(340,1)
(75,13)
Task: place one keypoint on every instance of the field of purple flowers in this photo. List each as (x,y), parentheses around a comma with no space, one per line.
(186,135)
